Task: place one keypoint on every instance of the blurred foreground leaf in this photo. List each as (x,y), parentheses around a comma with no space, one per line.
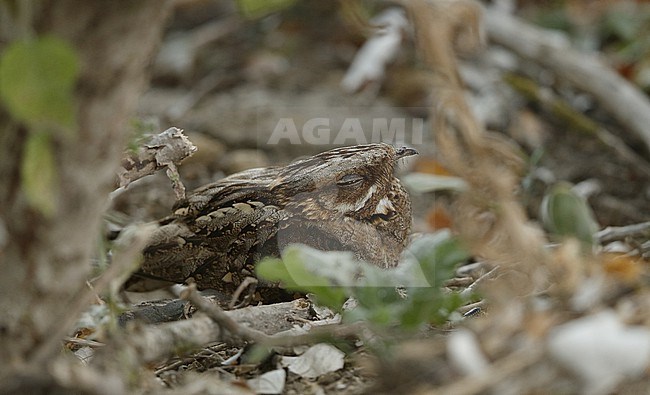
(566,214)
(294,274)
(39,173)
(259,8)
(37,79)
(334,276)
(422,182)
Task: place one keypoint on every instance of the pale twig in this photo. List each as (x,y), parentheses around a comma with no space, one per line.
(221,318)
(204,87)
(612,233)
(207,352)
(464,309)
(164,150)
(585,70)
(155,342)
(226,322)
(122,265)
(472,287)
(83,342)
(248,282)
(563,110)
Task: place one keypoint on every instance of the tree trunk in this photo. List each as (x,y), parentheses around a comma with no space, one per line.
(45,260)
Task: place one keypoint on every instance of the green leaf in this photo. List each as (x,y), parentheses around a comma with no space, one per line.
(37,79)
(295,274)
(273,269)
(332,296)
(420,307)
(422,182)
(625,25)
(566,214)
(438,255)
(257,354)
(259,8)
(426,306)
(302,263)
(39,173)
(294,259)
(332,276)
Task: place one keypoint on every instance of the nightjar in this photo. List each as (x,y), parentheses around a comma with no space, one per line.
(343,199)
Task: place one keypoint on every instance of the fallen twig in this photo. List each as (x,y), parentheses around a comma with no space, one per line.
(469,307)
(626,103)
(576,119)
(249,283)
(128,246)
(208,84)
(472,287)
(177,55)
(219,316)
(208,352)
(612,233)
(211,324)
(164,150)
(83,342)
(235,327)
(490,218)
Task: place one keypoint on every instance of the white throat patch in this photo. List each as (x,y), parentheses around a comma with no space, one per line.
(384,206)
(360,203)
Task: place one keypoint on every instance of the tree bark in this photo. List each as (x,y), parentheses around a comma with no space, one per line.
(45,261)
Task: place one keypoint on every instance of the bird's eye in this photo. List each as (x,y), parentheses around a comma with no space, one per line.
(350,180)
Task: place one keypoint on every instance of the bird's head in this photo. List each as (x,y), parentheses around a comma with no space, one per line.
(356,182)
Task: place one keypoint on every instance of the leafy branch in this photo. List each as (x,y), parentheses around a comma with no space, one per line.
(334,276)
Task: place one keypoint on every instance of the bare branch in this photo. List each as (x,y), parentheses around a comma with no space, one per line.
(164,150)
(220,317)
(213,324)
(129,245)
(612,233)
(627,103)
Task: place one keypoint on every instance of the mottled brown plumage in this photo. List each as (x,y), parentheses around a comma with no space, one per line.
(343,199)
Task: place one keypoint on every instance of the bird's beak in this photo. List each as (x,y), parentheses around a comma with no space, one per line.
(404,152)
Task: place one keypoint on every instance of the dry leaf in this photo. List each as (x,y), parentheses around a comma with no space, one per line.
(316,361)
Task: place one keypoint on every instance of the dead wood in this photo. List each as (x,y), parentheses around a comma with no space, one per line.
(253,323)
(612,233)
(161,151)
(576,120)
(586,71)
(45,258)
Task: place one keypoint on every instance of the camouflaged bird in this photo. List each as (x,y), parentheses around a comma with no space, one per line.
(345,199)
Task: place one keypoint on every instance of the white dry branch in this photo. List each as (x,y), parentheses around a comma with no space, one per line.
(612,233)
(154,342)
(269,325)
(177,55)
(164,150)
(585,70)
(128,247)
(380,49)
